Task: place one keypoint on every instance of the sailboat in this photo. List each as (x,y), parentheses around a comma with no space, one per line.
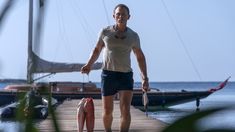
(77,90)
(72,90)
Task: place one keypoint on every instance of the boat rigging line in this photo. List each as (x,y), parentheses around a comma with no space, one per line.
(5,9)
(49,74)
(106,12)
(83,21)
(62,35)
(181,40)
(39,26)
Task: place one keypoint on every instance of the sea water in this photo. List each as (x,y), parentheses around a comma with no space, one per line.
(224,97)
(222,119)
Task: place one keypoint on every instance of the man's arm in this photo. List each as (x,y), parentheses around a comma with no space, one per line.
(143,67)
(94,56)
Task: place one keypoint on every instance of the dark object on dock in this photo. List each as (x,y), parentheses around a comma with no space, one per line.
(33,105)
(10,111)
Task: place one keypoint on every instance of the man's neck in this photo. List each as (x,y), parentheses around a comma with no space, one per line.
(121,28)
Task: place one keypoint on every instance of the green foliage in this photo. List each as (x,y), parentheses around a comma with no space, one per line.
(53,115)
(27,116)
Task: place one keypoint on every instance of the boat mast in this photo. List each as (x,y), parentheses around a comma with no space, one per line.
(30,44)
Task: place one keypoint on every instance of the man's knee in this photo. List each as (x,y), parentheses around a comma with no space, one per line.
(125,108)
(107,112)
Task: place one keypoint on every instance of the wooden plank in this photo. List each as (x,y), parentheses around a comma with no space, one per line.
(66,115)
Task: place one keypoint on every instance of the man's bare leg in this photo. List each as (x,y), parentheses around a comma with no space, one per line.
(125,102)
(107,112)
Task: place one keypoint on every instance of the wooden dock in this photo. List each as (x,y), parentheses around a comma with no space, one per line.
(66,116)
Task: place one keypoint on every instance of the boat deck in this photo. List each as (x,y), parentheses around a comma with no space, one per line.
(66,116)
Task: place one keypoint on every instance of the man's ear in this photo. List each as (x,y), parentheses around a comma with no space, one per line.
(129,16)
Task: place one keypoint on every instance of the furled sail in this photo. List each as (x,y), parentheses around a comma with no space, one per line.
(35,63)
(43,66)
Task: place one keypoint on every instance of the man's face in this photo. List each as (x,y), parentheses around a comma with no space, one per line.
(121,15)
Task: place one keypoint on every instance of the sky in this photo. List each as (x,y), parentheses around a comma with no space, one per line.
(183,40)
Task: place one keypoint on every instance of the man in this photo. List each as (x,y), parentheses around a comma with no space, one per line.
(117,77)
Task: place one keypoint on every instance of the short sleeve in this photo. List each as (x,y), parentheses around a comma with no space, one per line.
(100,35)
(136,41)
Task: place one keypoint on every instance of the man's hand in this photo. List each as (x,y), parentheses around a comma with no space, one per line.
(86,69)
(145,85)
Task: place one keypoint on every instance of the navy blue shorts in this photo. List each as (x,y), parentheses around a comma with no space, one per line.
(112,82)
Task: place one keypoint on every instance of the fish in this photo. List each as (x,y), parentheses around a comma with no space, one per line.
(90,114)
(145,102)
(86,113)
(81,115)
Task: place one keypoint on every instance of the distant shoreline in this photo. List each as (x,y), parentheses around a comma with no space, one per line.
(13,81)
(8,80)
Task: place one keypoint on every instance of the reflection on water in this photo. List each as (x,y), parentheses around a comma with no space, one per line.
(10,126)
(221,119)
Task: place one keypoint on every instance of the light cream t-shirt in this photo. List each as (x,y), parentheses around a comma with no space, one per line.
(116,54)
